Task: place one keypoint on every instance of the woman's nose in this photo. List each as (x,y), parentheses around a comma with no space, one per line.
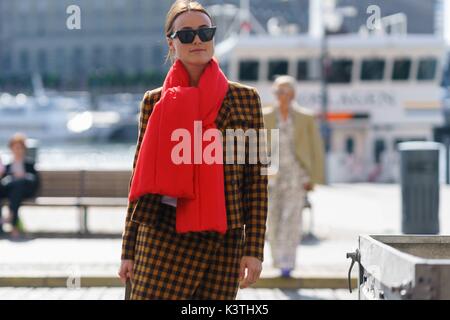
(197,39)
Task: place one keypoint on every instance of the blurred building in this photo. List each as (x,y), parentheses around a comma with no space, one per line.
(126,36)
(296,12)
(286,12)
(415,11)
(115,36)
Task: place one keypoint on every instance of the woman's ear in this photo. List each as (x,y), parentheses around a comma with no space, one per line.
(171,46)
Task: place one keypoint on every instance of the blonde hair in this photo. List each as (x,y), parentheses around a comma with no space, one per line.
(177,8)
(285,80)
(19,138)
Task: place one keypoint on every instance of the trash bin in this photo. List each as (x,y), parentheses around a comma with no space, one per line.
(420,187)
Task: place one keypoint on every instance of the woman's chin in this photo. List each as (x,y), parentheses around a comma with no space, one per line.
(199,60)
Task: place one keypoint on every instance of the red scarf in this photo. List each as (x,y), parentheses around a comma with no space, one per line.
(199,187)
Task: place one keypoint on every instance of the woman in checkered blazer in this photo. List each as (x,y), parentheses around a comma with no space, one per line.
(163,263)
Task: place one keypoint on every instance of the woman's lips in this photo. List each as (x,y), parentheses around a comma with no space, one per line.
(198,50)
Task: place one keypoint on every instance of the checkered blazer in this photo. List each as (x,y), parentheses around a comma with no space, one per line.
(246,191)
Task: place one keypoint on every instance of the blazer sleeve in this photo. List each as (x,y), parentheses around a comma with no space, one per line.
(255,189)
(129,233)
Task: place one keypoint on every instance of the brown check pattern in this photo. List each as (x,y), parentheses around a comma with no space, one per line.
(193,265)
(245,188)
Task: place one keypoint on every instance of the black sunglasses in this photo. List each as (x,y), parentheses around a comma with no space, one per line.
(188,36)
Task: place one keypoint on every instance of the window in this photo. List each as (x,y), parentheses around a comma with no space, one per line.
(350,145)
(6,62)
(138,58)
(41,25)
(23,24)
(427,69)
(372,69)
(60,57)
(401,70)
(276,68)
(97,57)
(340,71)
(42,60)
(24,61)
(118,58)
(302,70)
(77,60)
(379,148)
(249,70)
(308,70)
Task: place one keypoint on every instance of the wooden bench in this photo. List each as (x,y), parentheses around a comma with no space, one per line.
(82,189)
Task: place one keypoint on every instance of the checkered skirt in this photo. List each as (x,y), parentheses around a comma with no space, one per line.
(193,265)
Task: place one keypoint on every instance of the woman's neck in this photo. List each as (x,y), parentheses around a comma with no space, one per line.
(195,72)
(284,111)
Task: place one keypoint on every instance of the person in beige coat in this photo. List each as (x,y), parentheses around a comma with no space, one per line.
(299,158)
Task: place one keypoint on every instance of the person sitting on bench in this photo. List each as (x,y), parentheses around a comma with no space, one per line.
(19,181)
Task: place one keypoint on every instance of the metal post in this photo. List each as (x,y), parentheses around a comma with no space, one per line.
(445,137)
(447,159)
(324,125)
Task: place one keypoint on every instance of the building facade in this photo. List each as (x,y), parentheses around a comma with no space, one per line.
(122,36)
(126,37)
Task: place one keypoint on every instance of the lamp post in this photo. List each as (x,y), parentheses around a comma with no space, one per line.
(325,68)
(326,18)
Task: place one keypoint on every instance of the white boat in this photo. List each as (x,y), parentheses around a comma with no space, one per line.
(122,103)
(43,117)
(382,90)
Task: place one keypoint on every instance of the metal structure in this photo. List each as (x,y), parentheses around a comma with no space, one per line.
(395,267)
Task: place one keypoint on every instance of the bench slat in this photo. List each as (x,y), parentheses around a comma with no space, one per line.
(85,183)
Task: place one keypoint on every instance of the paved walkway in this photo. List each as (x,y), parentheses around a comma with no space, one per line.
(100,257)
(341,213)
(105,293)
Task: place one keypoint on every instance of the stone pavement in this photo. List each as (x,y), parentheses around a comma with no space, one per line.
(96,261)
(105,293)
(341,213)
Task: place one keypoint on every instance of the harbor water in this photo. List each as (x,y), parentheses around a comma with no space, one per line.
(71,156)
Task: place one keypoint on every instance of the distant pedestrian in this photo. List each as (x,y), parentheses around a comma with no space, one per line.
(301,166)
(19,181)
